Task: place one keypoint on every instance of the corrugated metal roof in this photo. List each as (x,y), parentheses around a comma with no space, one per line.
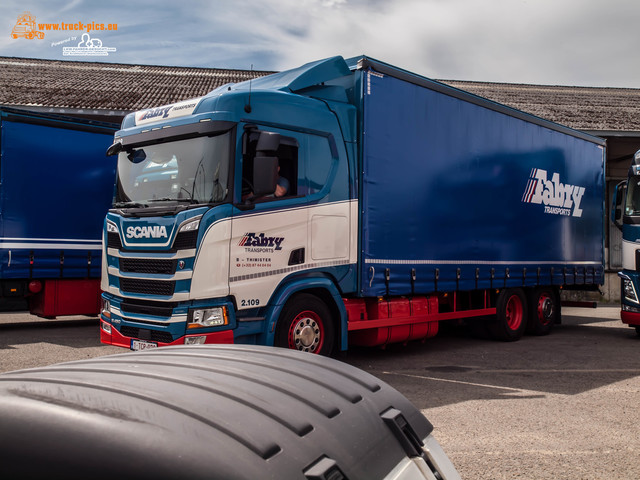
(582,108)
(122,87)
(91,85)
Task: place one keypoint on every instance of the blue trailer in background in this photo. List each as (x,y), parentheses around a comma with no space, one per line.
(56,185)
(409,203)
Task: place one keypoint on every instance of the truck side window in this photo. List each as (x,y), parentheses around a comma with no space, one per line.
(318,162)
(287,154)
(632,204)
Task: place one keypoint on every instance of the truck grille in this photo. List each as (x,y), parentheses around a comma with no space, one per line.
(147,265)
(146,334)
(185,240)
(157,309)
(147,287)
(113,240)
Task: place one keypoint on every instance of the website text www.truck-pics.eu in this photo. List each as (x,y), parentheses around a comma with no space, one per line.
(78,26)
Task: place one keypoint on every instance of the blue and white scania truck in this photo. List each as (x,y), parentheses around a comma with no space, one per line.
(625,214)
(408,203)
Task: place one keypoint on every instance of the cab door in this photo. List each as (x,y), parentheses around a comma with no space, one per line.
(269,229)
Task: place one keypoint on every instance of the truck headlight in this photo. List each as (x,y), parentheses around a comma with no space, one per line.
(106,308)
(111,227)
(208,317)
(190,226)
(629,290)
(105,327)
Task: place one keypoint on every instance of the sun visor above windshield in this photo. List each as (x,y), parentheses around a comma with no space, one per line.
(180,109)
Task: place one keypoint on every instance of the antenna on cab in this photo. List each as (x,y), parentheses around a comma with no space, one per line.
(247,107)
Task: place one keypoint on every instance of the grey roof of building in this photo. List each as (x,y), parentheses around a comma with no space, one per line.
(582,108)
(124,88)
(106,86)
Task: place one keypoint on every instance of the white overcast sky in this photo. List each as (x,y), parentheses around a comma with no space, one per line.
(552,42)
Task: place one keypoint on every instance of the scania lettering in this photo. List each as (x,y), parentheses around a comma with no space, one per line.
(147,232)
(345,202)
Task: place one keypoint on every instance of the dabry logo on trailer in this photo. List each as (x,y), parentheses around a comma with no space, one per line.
(557,198)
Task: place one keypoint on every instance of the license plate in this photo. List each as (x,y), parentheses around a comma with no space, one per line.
(142,345)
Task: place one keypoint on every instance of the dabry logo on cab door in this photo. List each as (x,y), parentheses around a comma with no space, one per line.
(260,242)
(557,198)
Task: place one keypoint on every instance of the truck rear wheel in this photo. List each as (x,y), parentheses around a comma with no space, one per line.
(306,325)
(511,315)
(544,310)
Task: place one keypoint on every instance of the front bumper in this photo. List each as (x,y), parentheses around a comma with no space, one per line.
(630,308)
(123,320)
(119,340)
(630,318)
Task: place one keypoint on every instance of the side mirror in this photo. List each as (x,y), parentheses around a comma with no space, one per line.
(617,204)
(115,148)
(265,175)
(268,142)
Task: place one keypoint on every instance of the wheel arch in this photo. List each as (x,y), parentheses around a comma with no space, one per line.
(321,286)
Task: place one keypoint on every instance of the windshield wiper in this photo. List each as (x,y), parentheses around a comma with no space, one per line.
(179,200)
(129,205)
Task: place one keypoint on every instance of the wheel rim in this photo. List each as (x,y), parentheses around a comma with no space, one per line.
(545,309)
(514,312)
(306,332)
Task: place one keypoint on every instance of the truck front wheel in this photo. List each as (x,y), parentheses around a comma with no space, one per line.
(511,315)
(306,325)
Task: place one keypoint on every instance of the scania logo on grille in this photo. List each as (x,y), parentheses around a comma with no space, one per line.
(157,231)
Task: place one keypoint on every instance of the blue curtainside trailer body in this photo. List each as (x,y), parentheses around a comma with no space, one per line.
(471,194)
(407,203)
(56,186)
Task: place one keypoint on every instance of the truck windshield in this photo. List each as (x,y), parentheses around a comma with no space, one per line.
(632,203)
(195,170)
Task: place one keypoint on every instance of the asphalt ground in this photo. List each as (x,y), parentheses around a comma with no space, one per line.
(564,406)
